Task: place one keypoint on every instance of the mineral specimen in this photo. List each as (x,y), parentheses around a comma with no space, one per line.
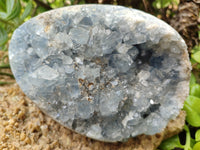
(107,72)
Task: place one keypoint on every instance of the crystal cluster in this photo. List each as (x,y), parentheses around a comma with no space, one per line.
(107,72)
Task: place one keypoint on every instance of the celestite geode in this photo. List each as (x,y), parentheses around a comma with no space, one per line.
(107,72)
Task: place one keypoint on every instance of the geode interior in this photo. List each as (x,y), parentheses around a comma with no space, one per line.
(107,72)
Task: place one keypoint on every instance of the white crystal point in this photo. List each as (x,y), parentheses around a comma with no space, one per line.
(107,72)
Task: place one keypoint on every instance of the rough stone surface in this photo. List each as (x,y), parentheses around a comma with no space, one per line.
(107,72)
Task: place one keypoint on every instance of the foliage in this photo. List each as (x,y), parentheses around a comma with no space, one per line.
(14,12)
(195,57)
(171,143)
(164,3)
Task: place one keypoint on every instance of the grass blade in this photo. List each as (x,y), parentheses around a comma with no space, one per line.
(3,36)
(27,10)
(15,11)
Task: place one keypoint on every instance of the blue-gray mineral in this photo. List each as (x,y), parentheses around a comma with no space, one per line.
(107,72)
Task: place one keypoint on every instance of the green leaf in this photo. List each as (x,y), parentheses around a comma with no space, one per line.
(72,2)
(41,10)
(3,36)
(163,3)
(196,56)
(192,142)
(195,90)
(3,15)
(191,107)
(82,2)
(27,10)
(197,135)
(2,5)
(193,102)
(192,79)
(9,6)
(196,146)
(171,143)
(188,141)
(15,10)
(195,49)
(199,33)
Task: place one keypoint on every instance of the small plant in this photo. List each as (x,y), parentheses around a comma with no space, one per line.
(12,14)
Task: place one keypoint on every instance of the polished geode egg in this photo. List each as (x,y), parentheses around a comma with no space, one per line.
(107,72)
